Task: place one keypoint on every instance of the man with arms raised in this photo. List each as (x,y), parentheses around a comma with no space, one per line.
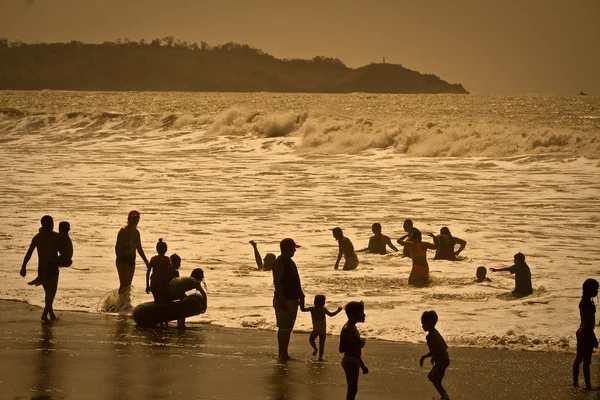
(288,295)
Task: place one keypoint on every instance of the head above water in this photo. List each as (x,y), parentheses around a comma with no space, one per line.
(64,227)
(47,222)
(590,288)
(319,300)
(355,310)
(268,261)
(445,231)
(337,233)
(197,274)
(519,258)
(376,227)
(481,273)
(429,319)
(407,225)
(161,247)
(175,260)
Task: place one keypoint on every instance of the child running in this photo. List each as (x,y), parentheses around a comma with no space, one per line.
(586,338)
(437,351)
(351,345)
(162,271)
(317,314)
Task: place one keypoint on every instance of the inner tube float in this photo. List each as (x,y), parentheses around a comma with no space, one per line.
(150,314)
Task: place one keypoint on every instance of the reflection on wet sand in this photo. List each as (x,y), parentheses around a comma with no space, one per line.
(45,383)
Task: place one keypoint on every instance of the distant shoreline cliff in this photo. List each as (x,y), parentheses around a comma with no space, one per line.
(171,65)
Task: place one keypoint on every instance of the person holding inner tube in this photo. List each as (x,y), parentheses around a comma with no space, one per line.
(419,275)
(129,242)
(179,286)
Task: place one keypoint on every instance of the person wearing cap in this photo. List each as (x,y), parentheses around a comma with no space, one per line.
(288,295)
(129,242)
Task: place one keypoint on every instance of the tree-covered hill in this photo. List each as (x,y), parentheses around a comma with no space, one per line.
(169,64)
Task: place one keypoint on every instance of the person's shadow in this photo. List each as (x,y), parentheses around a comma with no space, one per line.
(45,383)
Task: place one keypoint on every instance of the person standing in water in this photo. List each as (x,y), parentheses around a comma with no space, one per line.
(129,242)
(346,248)
(378,242)
(446,243)
(586,338)
(48,245)
(419,275)
(409,229)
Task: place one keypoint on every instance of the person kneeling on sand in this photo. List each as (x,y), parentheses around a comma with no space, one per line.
(346,248)
(267,263)
(378,242)
(522,275)
(179,286)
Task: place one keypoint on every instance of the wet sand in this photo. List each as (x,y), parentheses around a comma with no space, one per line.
(95,356)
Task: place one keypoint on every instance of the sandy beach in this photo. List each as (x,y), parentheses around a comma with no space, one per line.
(95,356)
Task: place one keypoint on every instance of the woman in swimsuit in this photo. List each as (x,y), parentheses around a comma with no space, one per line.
(419,275)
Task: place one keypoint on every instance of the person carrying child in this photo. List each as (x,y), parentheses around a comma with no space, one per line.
(586,338)
(318,313)
(437,351)
(66,253)
(351,345)
(162,271)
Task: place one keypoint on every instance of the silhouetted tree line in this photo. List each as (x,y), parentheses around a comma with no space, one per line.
(169,64)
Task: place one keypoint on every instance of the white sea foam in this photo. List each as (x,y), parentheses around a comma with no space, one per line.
(211,171)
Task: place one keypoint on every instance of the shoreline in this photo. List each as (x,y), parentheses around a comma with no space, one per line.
(107,356)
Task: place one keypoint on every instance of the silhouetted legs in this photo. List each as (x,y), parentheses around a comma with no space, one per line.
(435,376)
(50,286)
(351,369)
(311,340)
(283,339)
(584,355)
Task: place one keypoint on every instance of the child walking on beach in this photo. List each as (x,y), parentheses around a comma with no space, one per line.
(317,314)
(437,351)
(586,338)
(351,345)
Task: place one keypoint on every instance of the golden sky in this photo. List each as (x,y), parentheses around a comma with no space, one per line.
(490,46)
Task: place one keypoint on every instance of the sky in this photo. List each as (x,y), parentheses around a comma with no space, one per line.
(490,46)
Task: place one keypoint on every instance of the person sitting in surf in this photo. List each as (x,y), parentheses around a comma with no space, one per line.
(346,249)
(522,273)
(378,242)
(480,275)
(419,275)
(179,286)
(446,243)
(265,264)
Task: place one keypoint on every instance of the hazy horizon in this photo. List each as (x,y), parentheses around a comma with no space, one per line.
(507,48)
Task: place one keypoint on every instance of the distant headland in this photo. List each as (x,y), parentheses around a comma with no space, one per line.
(169,64)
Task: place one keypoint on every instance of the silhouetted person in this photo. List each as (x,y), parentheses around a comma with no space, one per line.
(65,259)
(419,274)
(522,276)
(288,295)
(162,271)
(48,245)
(480,275)
(437,351)
(446,243)
(176,264)
(267,263)
(180,285)
(409,229)
(318,313)
(129,242)
(346,248)
(586,338)
(379,241)
(351,345)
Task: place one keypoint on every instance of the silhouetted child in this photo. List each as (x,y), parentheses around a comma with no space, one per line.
(437,351)
(351,345)
(267,263)
(586,338)
(480,275)
(176,263)
(522,275)
(179,286)
(162,270)
(317,314)
(66,253)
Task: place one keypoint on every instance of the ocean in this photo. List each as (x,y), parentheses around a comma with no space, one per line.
(211,171)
